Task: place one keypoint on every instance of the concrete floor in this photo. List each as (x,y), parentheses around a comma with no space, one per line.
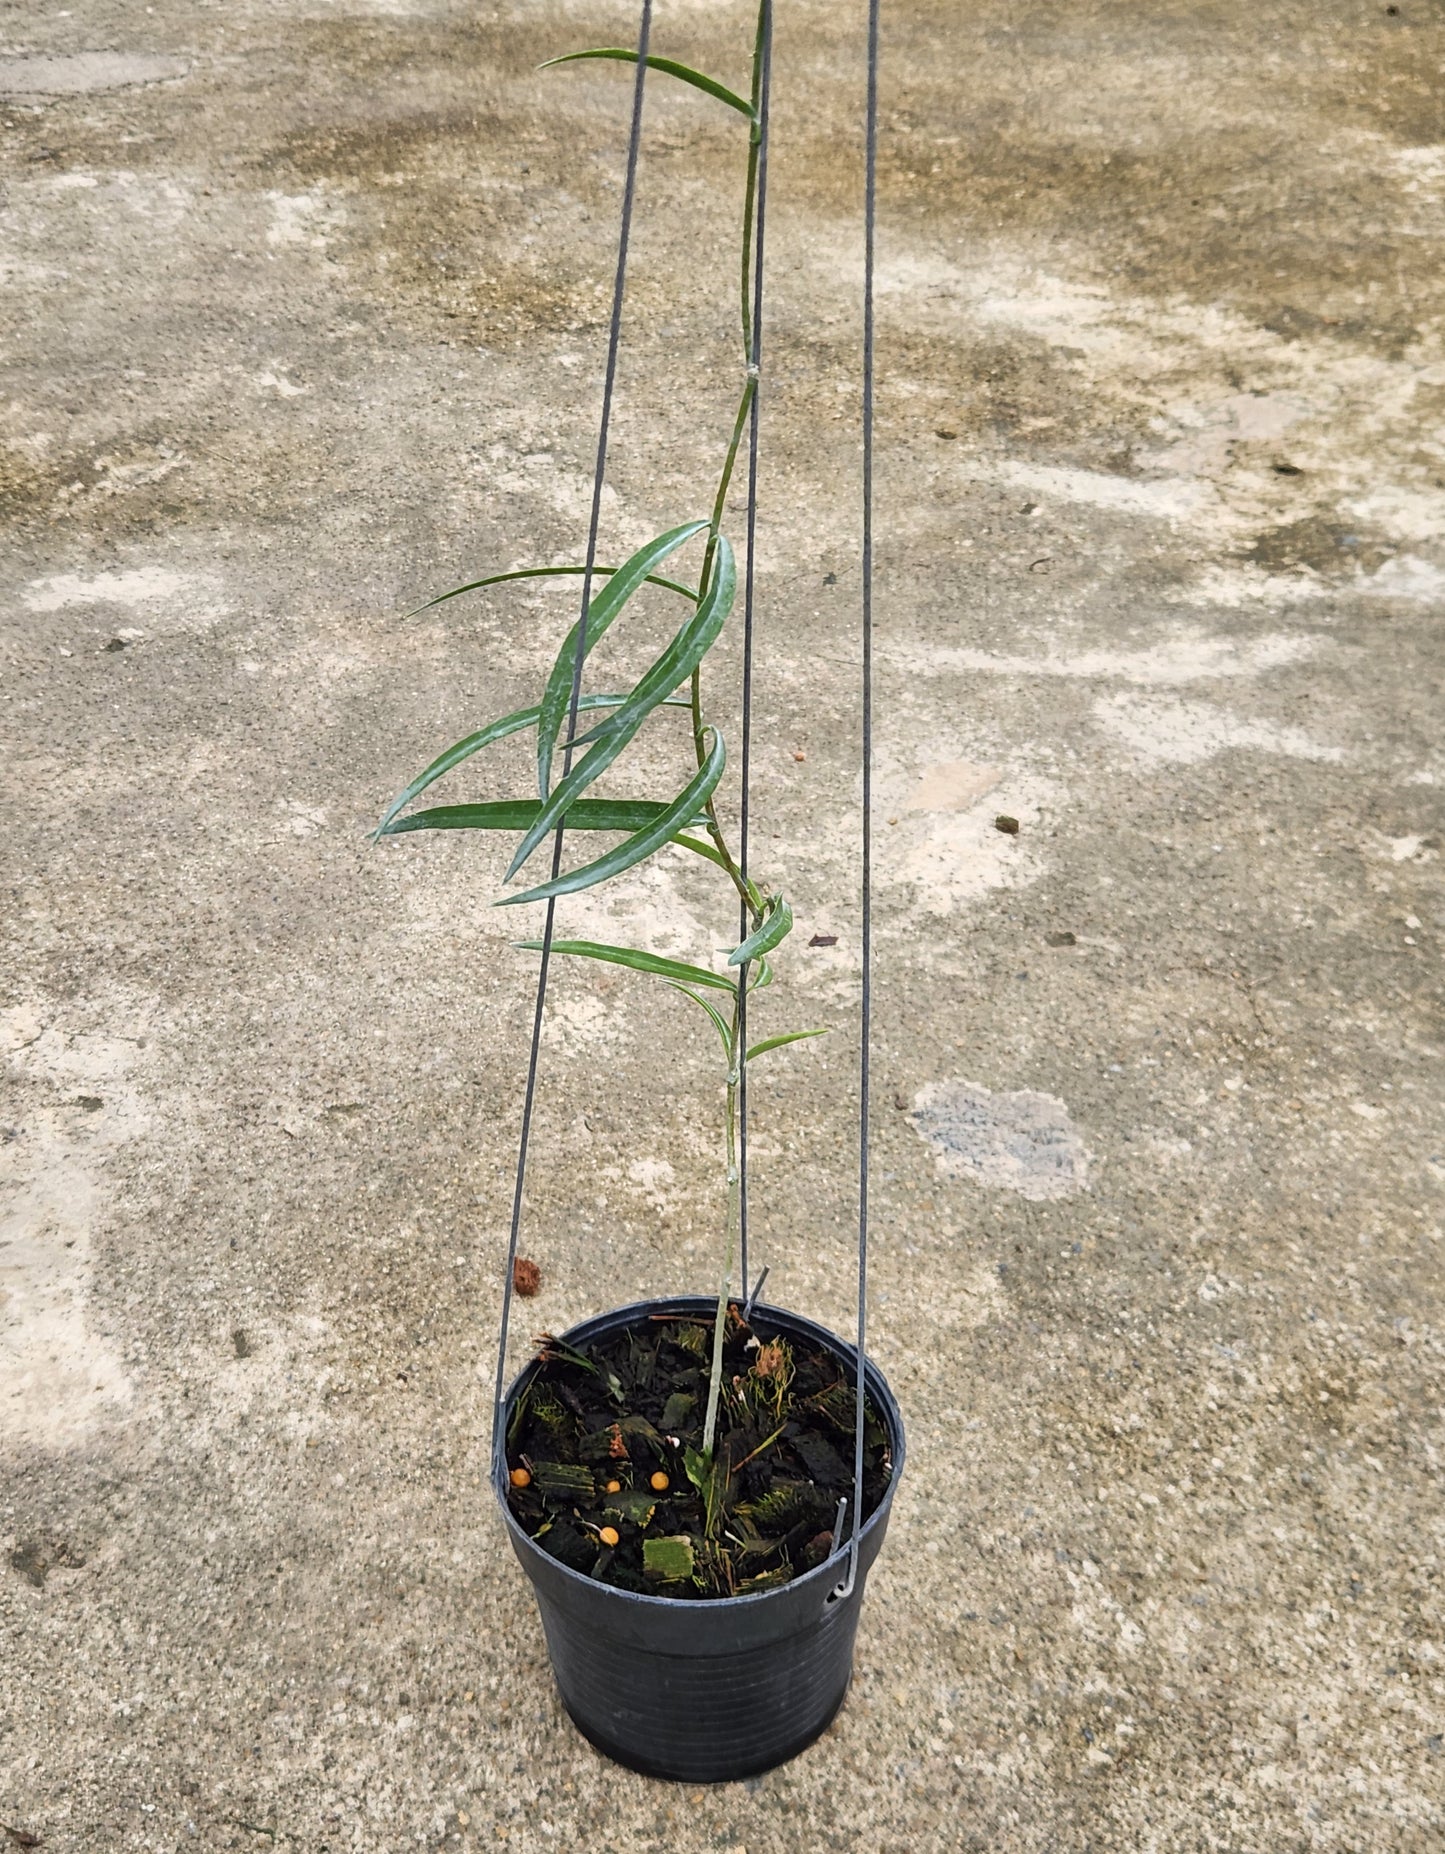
(304,306)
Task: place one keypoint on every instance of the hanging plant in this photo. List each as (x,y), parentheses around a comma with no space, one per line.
(687,1450)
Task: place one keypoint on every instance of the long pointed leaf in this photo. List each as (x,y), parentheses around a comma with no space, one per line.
(676,970)
(777,1042)
(674,665)
(547,572)
(719,1021)
(776,927)
(697,79)
(700,848)
(636,849)
(604,607)
(464,749)
(585,740)
(629,814)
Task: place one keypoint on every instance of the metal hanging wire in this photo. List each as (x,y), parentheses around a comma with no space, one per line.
(755,363)
(870,218)
(614,340)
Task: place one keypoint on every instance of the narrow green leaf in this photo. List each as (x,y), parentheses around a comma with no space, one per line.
(777,1042)
(558,1348)
(697,79)
(519,1410)
(700,848)
(776,925)
(674,969)
(628,814)
(764,975)
(586,740)
(636,848)
(547,572)
(494,730)
(604,607)
(484,737)
(674,665)
(662,677)
(719,1021)
(709,1476)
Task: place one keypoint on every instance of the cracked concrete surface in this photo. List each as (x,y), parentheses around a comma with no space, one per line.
(304,306)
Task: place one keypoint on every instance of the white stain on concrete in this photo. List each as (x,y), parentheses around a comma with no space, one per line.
(303,221)
(133,586)
(59,1376)
(578,1019)
(950,857)
(1185,654)
(1021,1141)
(1182,733)
(1340,409)
(83,73)
(1206,435)
(1234,587)
(1420,170)
(1167,500)
(952,785)
(1407,577)
(656,1181)
(1404,513)
(278,384)
(644,908)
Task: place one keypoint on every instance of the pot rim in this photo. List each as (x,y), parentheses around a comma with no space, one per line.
(826,1572)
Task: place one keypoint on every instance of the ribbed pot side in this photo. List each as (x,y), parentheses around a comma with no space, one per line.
(712,1690)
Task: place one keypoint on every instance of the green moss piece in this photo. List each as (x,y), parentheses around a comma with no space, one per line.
(678,1408)
(668,1561)
(563,1480)
(632,1504)
(547,1409)
(783,1506)
(691,1338)
(838,1404)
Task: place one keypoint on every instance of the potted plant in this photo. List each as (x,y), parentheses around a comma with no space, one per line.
(696,1487)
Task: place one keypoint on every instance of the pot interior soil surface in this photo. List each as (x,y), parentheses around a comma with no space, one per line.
(607,1475)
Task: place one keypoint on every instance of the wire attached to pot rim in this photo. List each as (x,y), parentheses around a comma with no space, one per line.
(870,217)
(614,342)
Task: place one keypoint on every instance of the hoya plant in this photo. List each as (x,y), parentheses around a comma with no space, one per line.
(580,736)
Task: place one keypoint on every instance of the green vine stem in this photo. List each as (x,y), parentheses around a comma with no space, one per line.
(612,721)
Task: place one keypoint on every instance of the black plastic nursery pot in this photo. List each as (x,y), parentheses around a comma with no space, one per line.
(704,1691)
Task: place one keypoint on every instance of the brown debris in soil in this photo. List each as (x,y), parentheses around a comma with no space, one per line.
(526,1277)
(609,1440)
